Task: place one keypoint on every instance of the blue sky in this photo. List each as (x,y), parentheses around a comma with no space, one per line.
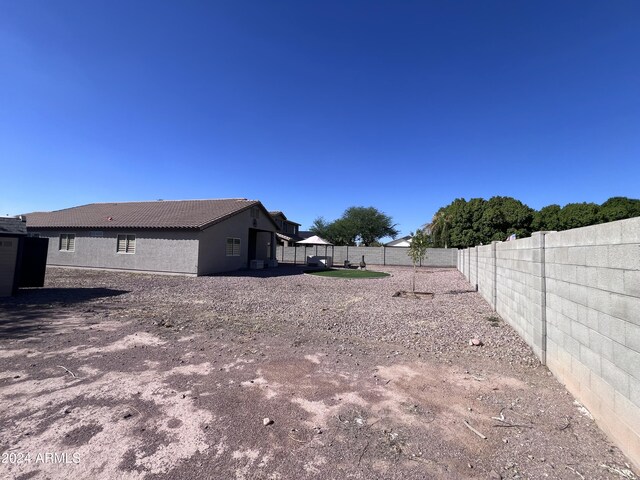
(313,107)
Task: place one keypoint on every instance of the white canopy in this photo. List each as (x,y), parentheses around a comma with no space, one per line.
(315,240)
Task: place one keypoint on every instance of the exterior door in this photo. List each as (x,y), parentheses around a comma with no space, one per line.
(34,262)
(251,245)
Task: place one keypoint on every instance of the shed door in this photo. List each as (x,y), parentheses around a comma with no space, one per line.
(34,262)
(8,253)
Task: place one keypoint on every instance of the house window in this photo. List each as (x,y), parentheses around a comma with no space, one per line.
(126,244)
(255,212)
(68,242)
(233,247)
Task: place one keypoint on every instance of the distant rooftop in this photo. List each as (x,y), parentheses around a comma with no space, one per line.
(275,213)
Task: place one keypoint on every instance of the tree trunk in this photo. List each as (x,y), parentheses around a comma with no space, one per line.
(415,271)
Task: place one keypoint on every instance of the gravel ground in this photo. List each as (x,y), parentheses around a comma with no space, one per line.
(146,376)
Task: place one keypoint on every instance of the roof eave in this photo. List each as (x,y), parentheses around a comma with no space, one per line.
(111,227)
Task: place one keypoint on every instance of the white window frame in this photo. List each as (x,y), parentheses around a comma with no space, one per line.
(130,244)
(235,247)
(64,241)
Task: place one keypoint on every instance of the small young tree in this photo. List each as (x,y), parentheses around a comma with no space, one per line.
(418,252)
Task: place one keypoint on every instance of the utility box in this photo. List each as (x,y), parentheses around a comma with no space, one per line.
(256,264)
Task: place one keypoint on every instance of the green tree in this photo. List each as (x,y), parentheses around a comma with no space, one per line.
(575,215)
(366,225)
(619,208)
(467,223)
(369,224)
(417,252)
(342,232)
(547,218)
(319,227)
(468,230)
(458,223)
(504,216)
(453,225)
(464,223)
(337,232)
(438,229)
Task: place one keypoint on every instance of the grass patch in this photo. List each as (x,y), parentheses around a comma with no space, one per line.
(347,273)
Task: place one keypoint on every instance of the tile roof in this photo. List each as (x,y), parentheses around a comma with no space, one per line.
(275,213)
(395,241)
(289,237)
(12,226)
(189,214)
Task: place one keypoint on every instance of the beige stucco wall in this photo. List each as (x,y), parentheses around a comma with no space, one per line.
(213,243)
(156,251)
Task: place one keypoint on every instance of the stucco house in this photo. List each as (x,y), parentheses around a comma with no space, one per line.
(287,230)
(192,237)
(400,242)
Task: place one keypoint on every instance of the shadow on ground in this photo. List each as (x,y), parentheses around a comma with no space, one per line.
(23,325)
(44,296)
(279,271)
(31,310)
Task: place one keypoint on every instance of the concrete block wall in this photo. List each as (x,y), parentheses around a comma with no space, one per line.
(436,257)
(574,296)
(398,256)
(519,288)
(372,255)
(486,273)
(473,266)
(294,255)
(593,323)
(464,262)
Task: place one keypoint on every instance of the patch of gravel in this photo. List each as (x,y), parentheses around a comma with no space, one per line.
(352,314)
(192,366)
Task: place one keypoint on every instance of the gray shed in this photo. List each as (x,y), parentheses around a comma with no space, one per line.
(12,233)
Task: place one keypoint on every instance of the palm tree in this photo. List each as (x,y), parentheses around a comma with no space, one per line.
(439,224)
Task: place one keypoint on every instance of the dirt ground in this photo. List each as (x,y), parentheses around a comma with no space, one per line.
(108,375)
